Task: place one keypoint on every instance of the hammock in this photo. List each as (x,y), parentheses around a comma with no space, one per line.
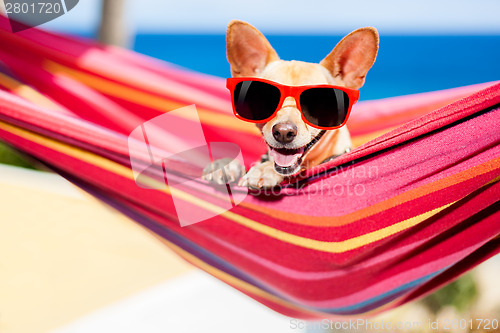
(413,207)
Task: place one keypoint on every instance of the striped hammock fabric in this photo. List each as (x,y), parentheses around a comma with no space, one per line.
(414,206)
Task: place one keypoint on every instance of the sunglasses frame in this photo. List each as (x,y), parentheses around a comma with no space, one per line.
(291,91)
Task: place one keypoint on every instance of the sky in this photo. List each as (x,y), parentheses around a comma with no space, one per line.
(397,17)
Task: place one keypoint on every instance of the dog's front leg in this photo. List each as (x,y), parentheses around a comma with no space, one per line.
(261,175)
(223,171)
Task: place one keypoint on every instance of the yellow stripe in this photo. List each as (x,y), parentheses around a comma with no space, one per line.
(27,92)
(330,247)
(492,181)
(155,102)
(336,247)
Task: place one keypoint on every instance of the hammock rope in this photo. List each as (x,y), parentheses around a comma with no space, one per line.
(415,205)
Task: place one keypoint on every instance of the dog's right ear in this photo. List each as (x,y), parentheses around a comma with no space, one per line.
(248,51)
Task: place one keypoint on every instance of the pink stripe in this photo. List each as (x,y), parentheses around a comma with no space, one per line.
(383,286)
(391,283)
(387,107)
(94,61)
(313,276)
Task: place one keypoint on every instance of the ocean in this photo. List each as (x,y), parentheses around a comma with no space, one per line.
(405,64)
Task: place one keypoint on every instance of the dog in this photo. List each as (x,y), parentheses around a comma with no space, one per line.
(294,142)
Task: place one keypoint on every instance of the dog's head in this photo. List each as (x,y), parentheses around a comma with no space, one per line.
(288,136)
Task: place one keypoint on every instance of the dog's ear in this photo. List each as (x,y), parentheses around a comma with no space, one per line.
(248,51)
(353,56)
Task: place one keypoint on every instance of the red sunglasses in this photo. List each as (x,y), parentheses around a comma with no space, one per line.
(322,106)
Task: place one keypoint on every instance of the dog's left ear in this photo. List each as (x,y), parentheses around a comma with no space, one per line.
(353,56)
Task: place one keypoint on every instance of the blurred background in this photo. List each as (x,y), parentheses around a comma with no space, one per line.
(426,45)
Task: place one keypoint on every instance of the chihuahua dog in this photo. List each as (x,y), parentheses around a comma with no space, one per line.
(299,107)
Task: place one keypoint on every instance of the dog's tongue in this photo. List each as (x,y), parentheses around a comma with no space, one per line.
(286,158)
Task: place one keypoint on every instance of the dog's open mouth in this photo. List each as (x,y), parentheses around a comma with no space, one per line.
(287,161)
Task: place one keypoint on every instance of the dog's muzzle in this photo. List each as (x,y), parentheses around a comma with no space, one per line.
(287,162)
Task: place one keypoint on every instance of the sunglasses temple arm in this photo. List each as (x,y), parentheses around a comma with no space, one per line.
(356,95)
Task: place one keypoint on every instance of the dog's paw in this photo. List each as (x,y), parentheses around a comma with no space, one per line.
(223,171)
(260,176)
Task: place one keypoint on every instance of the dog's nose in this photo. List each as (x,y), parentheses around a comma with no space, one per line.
(284,132)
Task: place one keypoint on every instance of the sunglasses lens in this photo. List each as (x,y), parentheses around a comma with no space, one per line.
(255,100)
(324,107)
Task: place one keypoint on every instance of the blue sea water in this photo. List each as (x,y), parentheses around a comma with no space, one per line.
(405,64)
